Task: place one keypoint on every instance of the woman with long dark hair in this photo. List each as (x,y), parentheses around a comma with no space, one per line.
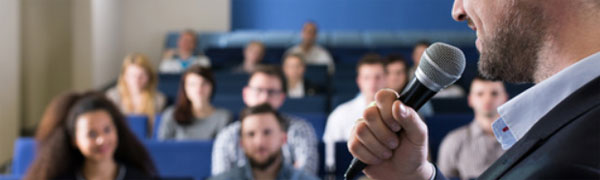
(193,117)
(84,136)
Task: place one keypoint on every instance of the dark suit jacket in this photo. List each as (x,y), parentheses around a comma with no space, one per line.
(564,144)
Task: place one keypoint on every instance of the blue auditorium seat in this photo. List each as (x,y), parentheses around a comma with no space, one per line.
(317,120)
(173,159)
(451,106)
(348,55)
(10,177)
(274,55)
(313,104)
(138,124)
(225,57)
(232,102)
(317,74)
(180,159)
(24,153)
(322,171)
(168,84)
(342,159)
(440,125)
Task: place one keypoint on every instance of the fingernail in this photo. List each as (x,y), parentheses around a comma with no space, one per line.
(387,155)
(395,127)
(392,144)
(403,110)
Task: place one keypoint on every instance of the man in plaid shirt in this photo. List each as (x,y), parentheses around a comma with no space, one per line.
(267,85)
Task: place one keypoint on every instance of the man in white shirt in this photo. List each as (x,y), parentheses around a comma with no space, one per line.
(550,131)
(371,77)
(312,52)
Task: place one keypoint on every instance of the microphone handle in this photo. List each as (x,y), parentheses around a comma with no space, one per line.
(415,96)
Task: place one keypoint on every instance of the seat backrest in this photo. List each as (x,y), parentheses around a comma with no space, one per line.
(138,124)
(181,159)
(308,104)
(24,153)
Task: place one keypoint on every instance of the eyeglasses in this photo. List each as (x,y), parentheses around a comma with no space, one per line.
(270,92)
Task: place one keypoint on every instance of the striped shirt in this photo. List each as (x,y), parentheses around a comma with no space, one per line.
(300,149)
(467,152)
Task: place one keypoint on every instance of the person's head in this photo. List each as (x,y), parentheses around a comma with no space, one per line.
(397,72)
(78,128)
(486,96)
(187,41)
(254,52)
(515,36)
(196,88)
(263,133)
(370,75)
(137,74)
(265,85)
(418,51)
(309,33)
(294,66)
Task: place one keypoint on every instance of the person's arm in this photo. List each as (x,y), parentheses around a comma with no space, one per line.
(302,137)
(374,137)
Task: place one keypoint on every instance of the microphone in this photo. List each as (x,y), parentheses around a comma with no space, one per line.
(441,65)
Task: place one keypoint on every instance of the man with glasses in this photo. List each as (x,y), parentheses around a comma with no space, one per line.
(267,85)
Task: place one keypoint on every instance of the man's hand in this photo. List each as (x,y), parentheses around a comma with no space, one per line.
(388,156)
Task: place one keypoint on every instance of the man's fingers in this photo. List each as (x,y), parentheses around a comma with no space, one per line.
(366,137)
(414,128)
(358,150)
(385,99)
(382,133)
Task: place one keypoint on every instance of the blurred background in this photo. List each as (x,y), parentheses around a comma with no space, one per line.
(50,46)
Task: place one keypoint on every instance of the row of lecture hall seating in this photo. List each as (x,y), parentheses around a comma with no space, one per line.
(192,159)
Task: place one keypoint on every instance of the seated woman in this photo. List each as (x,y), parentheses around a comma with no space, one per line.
(135,93)
(178,60)
(193,117)
(84,136)
(294,67)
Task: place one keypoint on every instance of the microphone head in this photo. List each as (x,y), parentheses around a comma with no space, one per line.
(441,65)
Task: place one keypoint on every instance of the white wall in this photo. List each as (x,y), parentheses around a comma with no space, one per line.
(9,75)
(122,27)
(145,22)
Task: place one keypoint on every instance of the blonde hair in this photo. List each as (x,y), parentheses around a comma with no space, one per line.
(148,92)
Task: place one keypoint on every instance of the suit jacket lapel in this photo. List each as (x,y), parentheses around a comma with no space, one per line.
(565,112)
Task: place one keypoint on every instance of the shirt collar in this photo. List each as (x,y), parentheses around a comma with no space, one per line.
(520,113)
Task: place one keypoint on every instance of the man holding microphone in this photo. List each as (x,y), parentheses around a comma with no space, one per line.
(552,130)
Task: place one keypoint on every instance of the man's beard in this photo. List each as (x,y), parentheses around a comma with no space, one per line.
(512,53)
(266,164)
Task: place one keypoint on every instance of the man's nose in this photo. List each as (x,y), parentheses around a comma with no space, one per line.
(458,11)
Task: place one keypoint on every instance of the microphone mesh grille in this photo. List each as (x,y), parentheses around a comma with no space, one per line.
(443,64)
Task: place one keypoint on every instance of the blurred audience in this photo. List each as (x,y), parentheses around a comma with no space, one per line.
(397,79)
(263,134)
(184,56)
(84,136)
(371,77)
(267,85)
(469,150)
(253,56)
(312,52)
(193,117)
(294,68)
(135,93)
(452,91)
